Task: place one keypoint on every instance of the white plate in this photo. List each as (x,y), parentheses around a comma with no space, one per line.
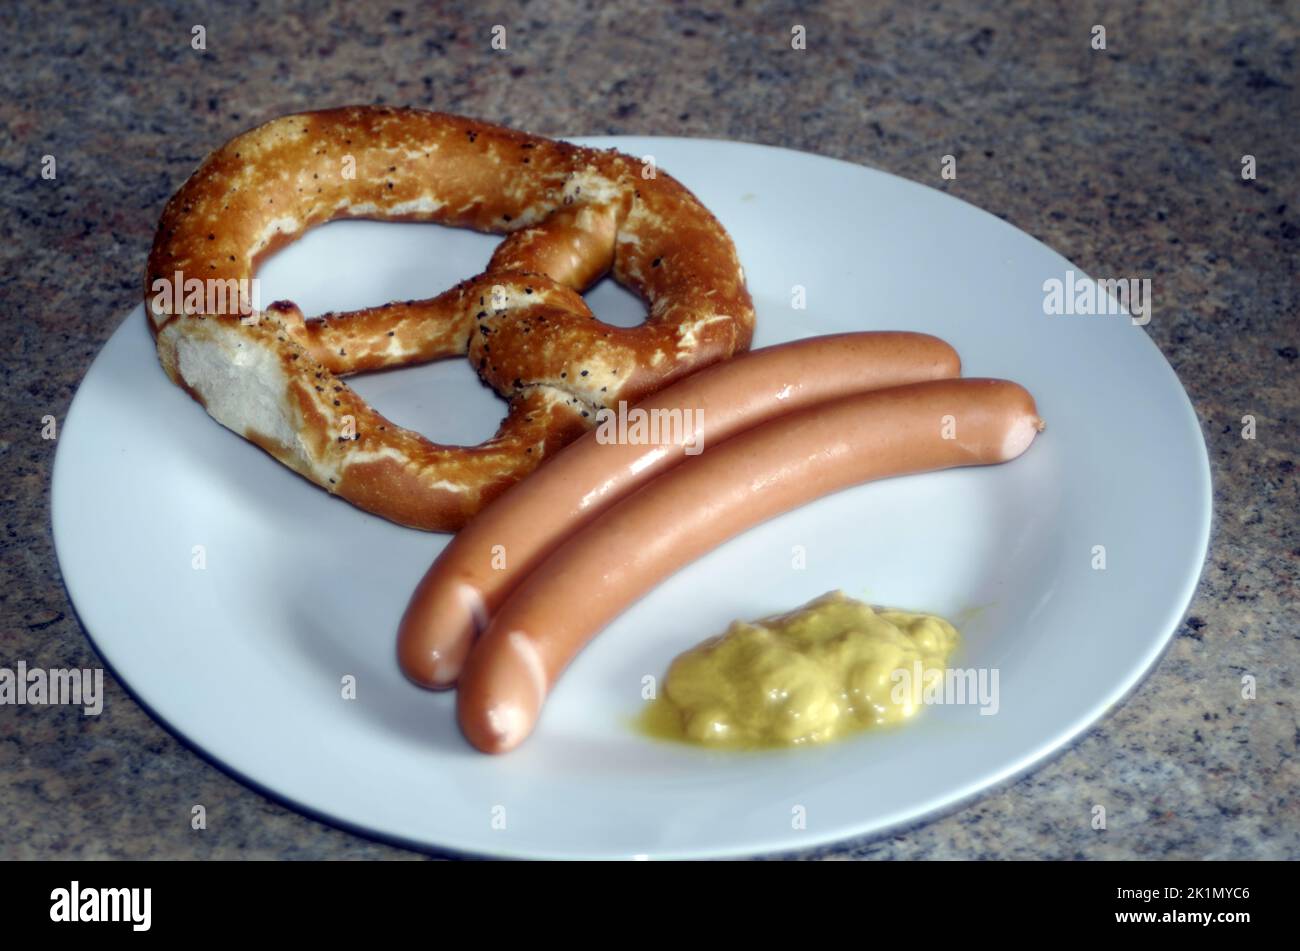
(245,658)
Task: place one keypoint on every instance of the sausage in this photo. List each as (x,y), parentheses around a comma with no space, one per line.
(483,563)
(784,463)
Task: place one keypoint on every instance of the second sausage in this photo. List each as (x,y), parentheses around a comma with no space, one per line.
(598,572)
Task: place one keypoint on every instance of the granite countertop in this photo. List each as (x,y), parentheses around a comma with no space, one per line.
(1124,160)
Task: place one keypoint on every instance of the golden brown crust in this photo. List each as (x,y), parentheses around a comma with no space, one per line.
(570,214)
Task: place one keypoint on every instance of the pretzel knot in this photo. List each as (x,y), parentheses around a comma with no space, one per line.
(570,215)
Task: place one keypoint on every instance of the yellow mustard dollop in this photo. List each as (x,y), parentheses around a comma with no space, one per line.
(813,675)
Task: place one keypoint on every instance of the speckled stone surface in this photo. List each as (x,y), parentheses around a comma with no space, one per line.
(1126,160)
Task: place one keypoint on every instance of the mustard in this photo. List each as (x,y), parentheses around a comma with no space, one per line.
(813,675)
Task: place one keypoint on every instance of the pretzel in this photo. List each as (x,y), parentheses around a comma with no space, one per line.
(570,214)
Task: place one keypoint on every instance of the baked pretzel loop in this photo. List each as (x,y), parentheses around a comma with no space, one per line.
(570,215)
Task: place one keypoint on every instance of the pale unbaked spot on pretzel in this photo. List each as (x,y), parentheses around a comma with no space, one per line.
(423,206)
(208,364)
(395,347)
(286,224)
(688,334)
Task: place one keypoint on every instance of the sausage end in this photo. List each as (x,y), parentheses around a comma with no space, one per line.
(498,700)
(436,631)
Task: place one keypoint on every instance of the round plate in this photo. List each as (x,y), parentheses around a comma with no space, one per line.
(242,646)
